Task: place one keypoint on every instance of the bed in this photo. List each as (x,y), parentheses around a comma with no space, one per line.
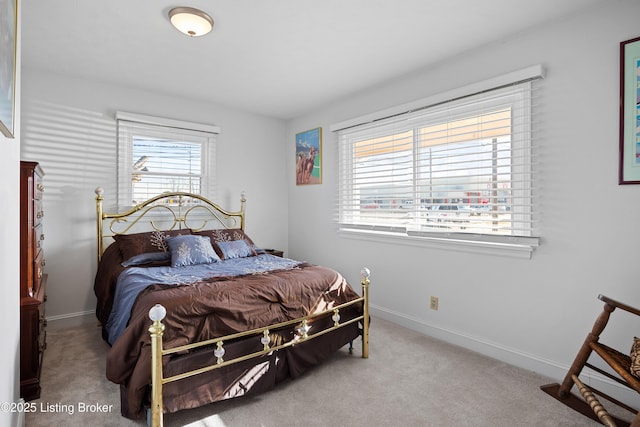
(194,312)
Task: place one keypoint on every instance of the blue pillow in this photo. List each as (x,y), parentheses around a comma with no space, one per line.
(191,250)
(146,258)
(235,249)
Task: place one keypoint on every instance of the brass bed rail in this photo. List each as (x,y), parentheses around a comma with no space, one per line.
(158,313)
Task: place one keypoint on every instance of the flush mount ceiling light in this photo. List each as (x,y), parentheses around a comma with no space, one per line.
(191,21)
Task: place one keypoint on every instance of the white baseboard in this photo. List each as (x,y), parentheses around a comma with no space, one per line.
(554,370)
(20,421)
(72,319)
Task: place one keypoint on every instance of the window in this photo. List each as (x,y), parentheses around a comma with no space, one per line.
(458,169)
(160,155)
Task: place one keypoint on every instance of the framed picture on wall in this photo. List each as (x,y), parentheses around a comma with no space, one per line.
(629,170)
(309,157)
(8,23)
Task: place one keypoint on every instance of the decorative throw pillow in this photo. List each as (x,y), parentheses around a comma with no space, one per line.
(635,357)
(235,249)
(226,235)
(191,250)
(139,243)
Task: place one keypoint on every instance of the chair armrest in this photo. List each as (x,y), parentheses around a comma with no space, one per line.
(619,305)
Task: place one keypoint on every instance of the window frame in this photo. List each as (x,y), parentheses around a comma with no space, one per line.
(130,125)
(509,245)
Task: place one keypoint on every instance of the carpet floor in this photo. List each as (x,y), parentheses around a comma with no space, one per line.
(408,380)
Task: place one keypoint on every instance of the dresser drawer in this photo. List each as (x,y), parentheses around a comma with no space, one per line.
(38,187)
(38,238)
(38,212)
(42,330)
(38,272)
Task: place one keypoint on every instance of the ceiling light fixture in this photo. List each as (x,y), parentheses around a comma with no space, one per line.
(191,21)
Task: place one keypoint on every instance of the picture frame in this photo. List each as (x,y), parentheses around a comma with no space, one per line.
(309,157)
(629,168)
(8,27)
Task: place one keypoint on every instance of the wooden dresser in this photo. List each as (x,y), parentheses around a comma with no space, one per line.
(33,281)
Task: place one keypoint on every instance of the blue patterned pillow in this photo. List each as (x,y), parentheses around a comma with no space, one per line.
(191,250)
(235,249)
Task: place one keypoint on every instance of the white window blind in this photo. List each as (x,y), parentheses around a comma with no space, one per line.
(461,168)
(155,158)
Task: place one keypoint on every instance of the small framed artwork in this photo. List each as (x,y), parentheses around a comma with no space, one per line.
(309,157)
(629,170)
(8,23)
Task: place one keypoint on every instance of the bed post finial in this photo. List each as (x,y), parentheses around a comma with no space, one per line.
(365,273)
(243,202)
(99,191)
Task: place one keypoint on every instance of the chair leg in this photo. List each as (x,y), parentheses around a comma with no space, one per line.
(594,403)
(574,402)
(585,351)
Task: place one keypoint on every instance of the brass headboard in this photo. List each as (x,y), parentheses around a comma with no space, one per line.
(167,211)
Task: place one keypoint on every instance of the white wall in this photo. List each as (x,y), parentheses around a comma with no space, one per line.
(69,127)
(533,313)
(10,258)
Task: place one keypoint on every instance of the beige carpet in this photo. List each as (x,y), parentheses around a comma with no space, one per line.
(408,380)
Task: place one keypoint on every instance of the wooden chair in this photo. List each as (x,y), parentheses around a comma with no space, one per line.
(619,362)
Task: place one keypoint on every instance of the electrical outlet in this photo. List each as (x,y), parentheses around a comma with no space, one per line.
(433,304)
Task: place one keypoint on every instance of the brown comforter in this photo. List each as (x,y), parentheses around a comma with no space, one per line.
(215,308)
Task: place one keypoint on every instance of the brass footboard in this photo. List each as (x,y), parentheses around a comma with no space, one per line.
(158,312)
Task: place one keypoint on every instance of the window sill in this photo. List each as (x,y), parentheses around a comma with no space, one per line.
(446,242)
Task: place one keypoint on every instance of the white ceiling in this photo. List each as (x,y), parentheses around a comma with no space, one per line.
(278,58)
